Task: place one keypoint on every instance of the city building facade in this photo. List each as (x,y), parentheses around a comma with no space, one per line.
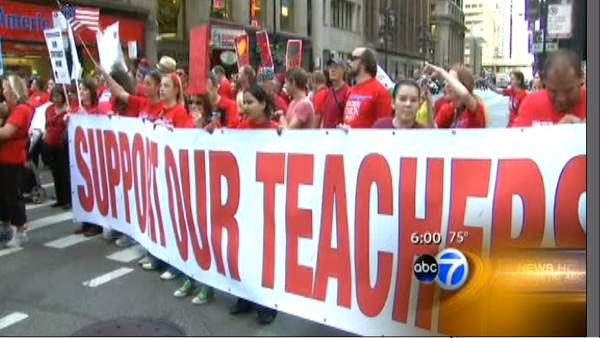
(448,29)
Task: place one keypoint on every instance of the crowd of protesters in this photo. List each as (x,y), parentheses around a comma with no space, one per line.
(295,99)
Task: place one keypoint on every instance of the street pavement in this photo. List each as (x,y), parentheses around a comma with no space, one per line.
(52,286)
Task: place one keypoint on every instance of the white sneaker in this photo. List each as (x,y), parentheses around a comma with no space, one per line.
(168,275)
(124,241)
(18,238)
(144,260)
(149,266)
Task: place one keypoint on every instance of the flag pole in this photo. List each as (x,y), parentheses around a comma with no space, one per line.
(85,47)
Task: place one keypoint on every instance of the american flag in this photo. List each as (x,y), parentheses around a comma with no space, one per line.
(81,17)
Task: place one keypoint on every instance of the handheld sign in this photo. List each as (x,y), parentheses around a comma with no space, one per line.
(242,49)
(293,55)
(266,58)
(199,59)
(58,59)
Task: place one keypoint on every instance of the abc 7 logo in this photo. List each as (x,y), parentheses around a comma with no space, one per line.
(449,269)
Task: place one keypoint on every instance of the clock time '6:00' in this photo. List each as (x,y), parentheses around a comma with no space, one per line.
(435,238)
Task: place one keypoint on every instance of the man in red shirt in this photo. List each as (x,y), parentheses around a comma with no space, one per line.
(225,89)
(368,99)
(517,93)
(332,109)
(225,109)
(563,100)
(300,113)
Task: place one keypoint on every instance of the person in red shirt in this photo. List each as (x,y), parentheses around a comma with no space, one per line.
(464,110)
(13,154)
(39,95)
(148,106)
(517,92)
(56,146)
(319,96)
(173,114)
(368,100)
(246,78)
(333,106)
(49,85)
(441,101)
(257,107)
(88,91)
(563,100)
(406,104)
(224,109)
(225,89)
(300,113)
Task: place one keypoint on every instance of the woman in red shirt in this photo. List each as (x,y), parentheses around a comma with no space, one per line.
(56,146)
(147,106)
(257,107)
(39,95)
(406,105)
(516,93)
(13,154)
(464,110)
(173,113)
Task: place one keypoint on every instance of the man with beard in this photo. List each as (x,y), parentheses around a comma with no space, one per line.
(368,100)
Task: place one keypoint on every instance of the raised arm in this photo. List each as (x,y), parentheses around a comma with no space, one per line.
(114,87)
(463,93)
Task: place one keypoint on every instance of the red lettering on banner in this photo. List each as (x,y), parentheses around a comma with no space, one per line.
(373,170)
(334,262)
(152,152)
(568,229)
(100,187)
(470,178)
(270,169)
(201,253)
(222,216)
(85,194)
(140,181)
(113,165)
(179,228)
(298,278)
(520,177)
(408,223)
(126,172)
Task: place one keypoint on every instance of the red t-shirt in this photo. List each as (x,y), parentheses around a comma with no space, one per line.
(177,117)
(367,102)
(101,89)
(105,105)
(37,99)
(465,119)
(228,112)
(55,126)
(514,102)
(92,110)
(537,109)
(439,103)
(318,101)
(225,89)
(249,124)
(333,107)
(139,106)
(285,97)
(13,150)
(304,111)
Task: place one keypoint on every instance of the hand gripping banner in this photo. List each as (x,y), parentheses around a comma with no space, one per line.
(330,233)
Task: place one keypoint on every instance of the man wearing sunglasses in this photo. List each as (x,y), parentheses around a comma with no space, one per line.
(368,100)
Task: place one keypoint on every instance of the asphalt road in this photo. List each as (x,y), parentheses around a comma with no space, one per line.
(45,288)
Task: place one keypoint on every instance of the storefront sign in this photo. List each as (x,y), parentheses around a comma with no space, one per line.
(560,21)
(27,22)
(223,38)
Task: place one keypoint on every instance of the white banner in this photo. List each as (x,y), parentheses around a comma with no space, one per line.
(327,232)
(58,59)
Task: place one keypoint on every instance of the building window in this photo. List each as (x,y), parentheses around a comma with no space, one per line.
(287,15)
(168,18)
(342,14)
(258,13)
(221,9)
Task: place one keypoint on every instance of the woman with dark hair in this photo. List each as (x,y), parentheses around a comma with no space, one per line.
(465,110)
(406,106)
(56,146)
(39,95)
(13,154)
(200,109)
(517,92)
(257,107)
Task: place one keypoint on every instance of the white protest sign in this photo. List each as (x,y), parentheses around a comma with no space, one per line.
(560,21)
(109,48)
(58,59)
(384,79)
(77,70)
